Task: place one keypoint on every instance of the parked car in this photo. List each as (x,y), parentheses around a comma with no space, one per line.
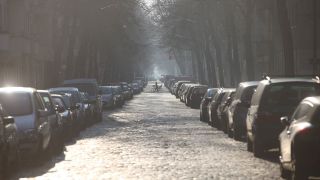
(67,119)
(77,104)
(57,144)
(177,89)
(300,141)
(126,91)
(182,94)
(118,97)
(9,143)
(197,93)
(222,112)
(204,114)
(91,87)
(274,98)
(136,88)
(31,118)
(213,106)
(107,96)
(239,109)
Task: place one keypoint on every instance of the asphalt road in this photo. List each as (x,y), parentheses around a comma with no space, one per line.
(153,136)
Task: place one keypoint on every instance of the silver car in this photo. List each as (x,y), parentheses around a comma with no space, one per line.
(31,118)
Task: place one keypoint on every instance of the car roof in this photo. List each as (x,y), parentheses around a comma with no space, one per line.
(43,91)
(56,95)
(75,81)
(284,80)
(18,89)
(64,89)
(249,83)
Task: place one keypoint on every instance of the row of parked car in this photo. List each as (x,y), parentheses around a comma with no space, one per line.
(277,113)
(35,124)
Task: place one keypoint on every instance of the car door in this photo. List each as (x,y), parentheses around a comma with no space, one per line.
(42,120)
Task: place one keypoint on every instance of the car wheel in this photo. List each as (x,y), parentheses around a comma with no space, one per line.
(285,173)
(201,118)
(236,133)
(257,148)
(249,145)
(230,133)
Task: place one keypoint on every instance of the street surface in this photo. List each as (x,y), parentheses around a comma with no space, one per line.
(153,136)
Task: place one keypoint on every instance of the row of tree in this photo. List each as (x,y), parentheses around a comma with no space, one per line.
(102,39)
(216,36)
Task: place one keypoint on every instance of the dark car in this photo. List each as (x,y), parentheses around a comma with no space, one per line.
(107,96)
(118,97)
(126,90)
(196,95)
(177,89)
(67,120)
(91,87)
(55,121)
(239,109)
(207,98)
(31,118)
(9,143)
(222,109)
(300,141)
(213,106)
(77,104)
(274,98)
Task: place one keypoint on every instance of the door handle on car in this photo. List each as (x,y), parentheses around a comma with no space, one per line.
(288,132)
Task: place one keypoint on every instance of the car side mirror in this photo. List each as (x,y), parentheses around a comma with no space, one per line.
(8,120)
(285,121)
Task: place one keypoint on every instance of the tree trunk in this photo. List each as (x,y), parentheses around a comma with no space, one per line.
(286,33)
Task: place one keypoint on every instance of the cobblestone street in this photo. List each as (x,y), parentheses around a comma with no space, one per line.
(154,136)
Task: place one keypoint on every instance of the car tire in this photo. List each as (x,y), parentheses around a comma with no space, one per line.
(257,148)
(284,173)
(299,170)
(236,133)
(249,145)
(201,118)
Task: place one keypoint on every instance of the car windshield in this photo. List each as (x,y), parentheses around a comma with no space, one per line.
(285,97)
(16,104)
(106,90)
(88,88)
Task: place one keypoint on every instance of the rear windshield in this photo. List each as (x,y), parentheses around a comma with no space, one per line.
(106,90)
(75,94)
(247,93)
(16,104)
(88,88)
(284,98)
(199,91)
(59,102)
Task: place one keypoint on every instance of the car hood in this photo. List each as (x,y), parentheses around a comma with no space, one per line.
(24,122)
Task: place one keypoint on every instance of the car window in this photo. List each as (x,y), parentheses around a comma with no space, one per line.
(38,102)
(316,117)
(285,97)
(47,102)
(247,94)
(106,90)
(16,104)
(301,111)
